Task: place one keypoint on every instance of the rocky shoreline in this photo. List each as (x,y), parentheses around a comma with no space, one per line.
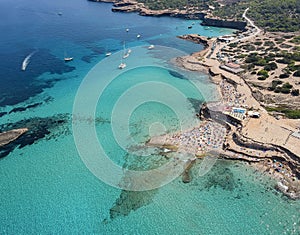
(141,9)
(271,157)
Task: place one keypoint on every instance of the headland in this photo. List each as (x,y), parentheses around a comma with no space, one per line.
(246,124)
(256,134)
(191,12)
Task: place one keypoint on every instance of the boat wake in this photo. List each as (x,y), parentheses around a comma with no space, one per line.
(27,60)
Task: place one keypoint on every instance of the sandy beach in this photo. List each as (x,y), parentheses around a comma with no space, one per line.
(267,143)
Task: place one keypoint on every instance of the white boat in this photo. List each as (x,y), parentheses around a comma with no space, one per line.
(26,61)
(127,30)
(138,36)
(127,53)
(67,59)
(108,54)
(150,47)
(122,65)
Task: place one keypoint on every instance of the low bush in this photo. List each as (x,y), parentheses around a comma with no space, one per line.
(270,66)
(263,72)
(284,75)
(297,73)
(287,85)
(295,92)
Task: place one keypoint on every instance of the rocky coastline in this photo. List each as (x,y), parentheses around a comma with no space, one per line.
(196,39)
(240,25)
(270,157)
(141,9)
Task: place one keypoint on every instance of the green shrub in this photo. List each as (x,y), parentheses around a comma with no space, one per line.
(285,46)
(297,73)
(287,85)
(277,89)
(233,44)
(258,43)
(271,66)
(284,75)
(285,90)
(271,88)
(289,113)
(241,56)
(296,40)
(284,61)
(295,92)
(260,62)
(279,40)
(276,82)
(263,73)
(296,48)
(269,43)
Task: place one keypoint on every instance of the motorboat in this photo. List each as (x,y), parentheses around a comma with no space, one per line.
(122,65)
(67,59)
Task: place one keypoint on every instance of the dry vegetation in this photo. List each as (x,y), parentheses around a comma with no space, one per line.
(272,64)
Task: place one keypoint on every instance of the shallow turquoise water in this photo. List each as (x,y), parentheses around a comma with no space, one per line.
(47,189)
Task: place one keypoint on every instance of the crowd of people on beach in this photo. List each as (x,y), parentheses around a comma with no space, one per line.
(277,166)
(230,95)
(208,136)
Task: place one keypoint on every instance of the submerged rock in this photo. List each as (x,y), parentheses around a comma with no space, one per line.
(9,136)
(36,129)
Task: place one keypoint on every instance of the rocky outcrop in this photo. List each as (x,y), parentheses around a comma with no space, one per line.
(9,136)
(196,38)
(240,25)
(133,6)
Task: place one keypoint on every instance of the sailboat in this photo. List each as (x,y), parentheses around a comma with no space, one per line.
(67,59)
(127,53)
(107,53)
(123,65)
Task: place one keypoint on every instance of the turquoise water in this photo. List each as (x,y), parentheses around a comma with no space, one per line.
(45,186)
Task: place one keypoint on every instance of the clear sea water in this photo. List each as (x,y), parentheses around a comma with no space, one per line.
(45,186)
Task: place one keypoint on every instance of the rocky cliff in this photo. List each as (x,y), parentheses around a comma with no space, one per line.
(240,25)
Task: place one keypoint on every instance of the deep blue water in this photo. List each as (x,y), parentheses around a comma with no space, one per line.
(85,29)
